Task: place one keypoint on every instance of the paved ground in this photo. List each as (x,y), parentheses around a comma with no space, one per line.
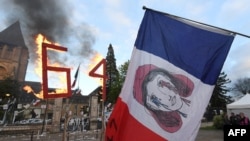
(203,135)
(209,135)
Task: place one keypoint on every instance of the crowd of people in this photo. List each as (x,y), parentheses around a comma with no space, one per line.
(236,119)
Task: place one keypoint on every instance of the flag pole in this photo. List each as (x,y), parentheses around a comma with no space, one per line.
(177,17)
(78,76)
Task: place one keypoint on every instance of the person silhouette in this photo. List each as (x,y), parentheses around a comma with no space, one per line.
(33,113)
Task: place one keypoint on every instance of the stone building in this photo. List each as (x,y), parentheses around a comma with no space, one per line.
(14,53)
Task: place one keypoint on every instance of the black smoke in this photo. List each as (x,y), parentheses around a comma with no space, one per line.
(53,19)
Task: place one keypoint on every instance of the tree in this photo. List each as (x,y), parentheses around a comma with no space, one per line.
(123,71)
(113,75)
(241,86)
(219,98)
(118,83)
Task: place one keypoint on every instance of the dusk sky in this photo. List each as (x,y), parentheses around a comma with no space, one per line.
(87,28)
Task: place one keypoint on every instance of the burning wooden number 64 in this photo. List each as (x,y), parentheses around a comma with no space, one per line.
(47,68)
(103,76)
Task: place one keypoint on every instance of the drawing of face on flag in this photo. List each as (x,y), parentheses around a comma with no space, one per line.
(163,94)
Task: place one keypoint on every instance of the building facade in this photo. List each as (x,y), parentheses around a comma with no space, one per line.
(14,54)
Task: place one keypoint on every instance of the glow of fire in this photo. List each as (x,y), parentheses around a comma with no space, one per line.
(93,62)
(39,40)
(38,67)
(28,89)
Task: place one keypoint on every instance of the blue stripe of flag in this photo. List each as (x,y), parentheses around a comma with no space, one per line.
(199,52)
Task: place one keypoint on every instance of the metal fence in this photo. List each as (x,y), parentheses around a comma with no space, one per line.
(34,135)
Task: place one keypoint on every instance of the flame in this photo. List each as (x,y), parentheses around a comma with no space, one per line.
(39,40)
(93,62)
(38,67)
(59,91)
(28,89)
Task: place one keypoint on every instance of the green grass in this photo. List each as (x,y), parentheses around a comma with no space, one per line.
(209,128)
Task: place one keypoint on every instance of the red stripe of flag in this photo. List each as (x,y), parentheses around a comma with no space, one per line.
(122,126)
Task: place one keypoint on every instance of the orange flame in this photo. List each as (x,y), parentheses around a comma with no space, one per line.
(39,40)
(28,89)
(93,62)
(38,66)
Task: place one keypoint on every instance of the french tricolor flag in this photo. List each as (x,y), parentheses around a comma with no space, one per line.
(171,76)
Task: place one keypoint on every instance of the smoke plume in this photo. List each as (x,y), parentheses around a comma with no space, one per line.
(52,18)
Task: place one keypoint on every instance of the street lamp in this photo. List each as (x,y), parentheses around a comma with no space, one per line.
(7,95)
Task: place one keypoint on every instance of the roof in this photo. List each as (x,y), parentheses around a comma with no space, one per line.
(13,35)
(94,92)
(25,97)
(243,102)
